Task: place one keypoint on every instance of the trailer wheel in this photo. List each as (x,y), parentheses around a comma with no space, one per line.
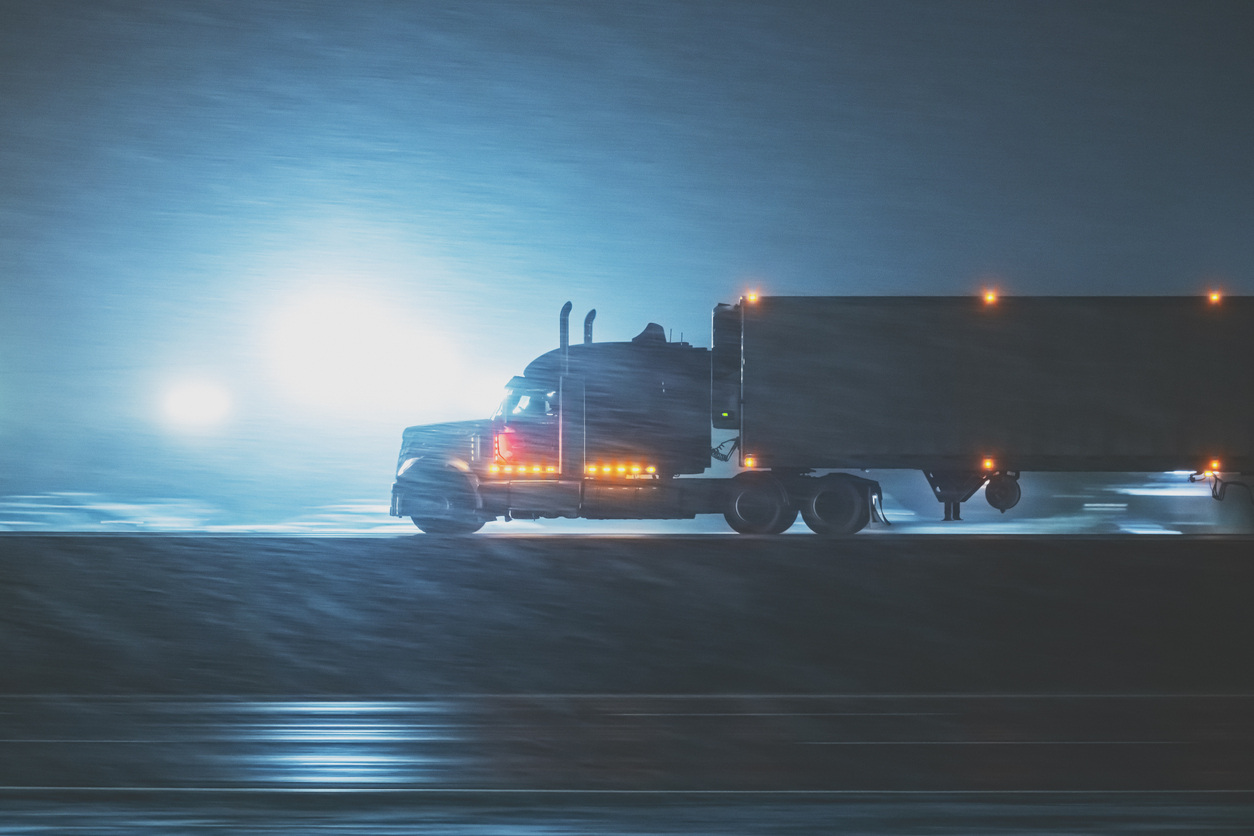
(451,499)
(837,506)
(758,503)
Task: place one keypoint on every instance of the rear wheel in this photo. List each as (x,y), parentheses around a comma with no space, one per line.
(450,503)
(837,506)
(757,503)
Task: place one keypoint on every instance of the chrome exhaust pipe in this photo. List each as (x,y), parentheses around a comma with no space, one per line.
(564,337)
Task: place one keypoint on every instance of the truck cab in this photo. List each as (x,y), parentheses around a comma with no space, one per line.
(589,430)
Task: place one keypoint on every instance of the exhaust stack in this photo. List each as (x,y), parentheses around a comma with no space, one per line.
(587,326)
(564,337)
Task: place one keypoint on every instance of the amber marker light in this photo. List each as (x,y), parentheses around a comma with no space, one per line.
(650,469)
(990,297)
(1214,464)
(989,464)
(1215,297)
(751,461)
(751,297)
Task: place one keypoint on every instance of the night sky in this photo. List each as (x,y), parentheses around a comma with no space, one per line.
(243,244)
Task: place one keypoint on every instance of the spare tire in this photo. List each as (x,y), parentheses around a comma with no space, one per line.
(1003,492)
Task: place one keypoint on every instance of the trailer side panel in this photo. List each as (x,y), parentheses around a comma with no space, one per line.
(1035,383)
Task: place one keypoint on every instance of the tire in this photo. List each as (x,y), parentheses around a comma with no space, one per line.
(786,520)
(452,499)
(435,525)
(1003,493)
(757,503)
(836,507)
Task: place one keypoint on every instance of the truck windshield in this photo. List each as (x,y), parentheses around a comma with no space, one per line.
(526,404)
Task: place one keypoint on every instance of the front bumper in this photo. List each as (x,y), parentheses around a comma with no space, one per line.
(406,501)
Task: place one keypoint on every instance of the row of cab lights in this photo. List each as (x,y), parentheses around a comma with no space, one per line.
(533,469)
(620,470)
(592,469)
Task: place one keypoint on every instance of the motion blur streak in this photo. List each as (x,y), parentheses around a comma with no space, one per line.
(1024,685)
(752,743)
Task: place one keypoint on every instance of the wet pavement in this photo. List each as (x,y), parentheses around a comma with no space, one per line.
(626,685)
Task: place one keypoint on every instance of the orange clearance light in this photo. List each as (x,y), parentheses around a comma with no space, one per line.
(550,469)
(635,468)
(1214,464)
(1214,296)
(592,468)
(752,297)
(751,461)
(989,464)
(990,297)
(535,468)
(621,468)
(494,468)
(605,469)
(650,469)
(509,468)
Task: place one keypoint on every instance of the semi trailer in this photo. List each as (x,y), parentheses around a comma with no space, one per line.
(813,395)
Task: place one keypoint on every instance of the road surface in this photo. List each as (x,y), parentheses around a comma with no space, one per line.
(626,684)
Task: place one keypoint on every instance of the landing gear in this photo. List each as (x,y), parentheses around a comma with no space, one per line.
(954,487)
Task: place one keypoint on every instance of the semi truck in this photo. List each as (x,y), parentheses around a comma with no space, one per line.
(813,395)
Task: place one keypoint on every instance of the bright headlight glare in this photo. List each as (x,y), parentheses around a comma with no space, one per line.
(408,463)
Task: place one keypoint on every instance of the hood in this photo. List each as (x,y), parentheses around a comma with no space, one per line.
(452,438)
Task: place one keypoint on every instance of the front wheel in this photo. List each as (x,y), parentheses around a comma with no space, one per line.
(758,503)
(435,525)
(450,503)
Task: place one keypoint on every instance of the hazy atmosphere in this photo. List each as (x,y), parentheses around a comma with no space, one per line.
(243,245)
(280,268)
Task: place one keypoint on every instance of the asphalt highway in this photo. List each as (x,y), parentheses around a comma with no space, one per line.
(905,684)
